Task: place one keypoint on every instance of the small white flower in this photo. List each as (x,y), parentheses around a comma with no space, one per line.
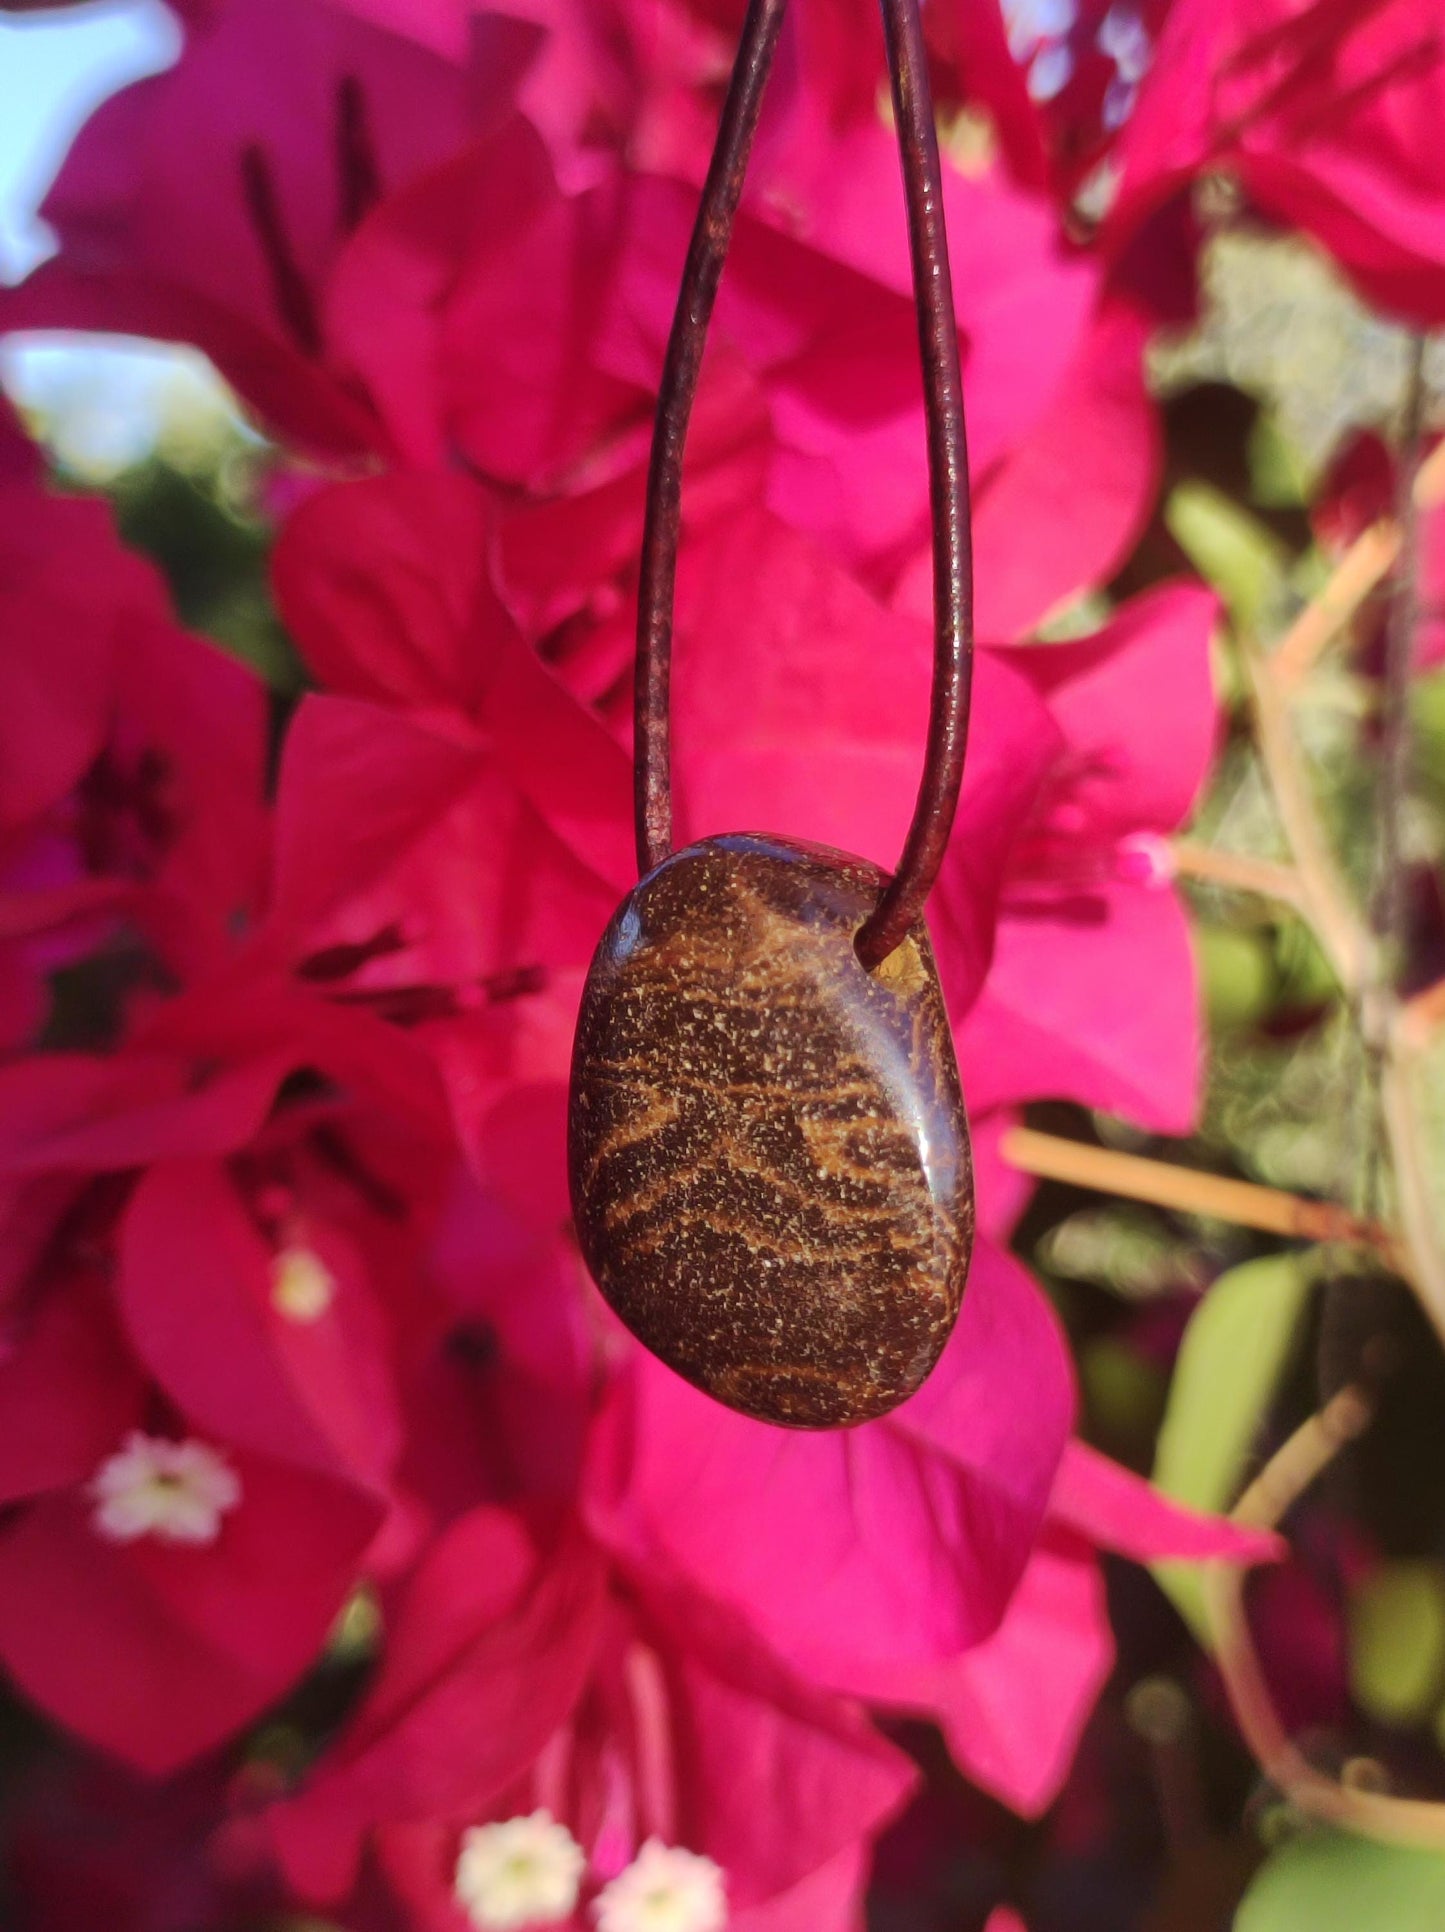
(302,1286)
(664,1889)
(523,1871)
(177,1491)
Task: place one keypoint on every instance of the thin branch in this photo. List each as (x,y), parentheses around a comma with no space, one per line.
(1325,897)
(1186,1191)
(1388,911)
(1393,1046)
(1353,578)
(1279,1485)
(1361,570)
(1356,955)
(1237,872)
(1417,1175)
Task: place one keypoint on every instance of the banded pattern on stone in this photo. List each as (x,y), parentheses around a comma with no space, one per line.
(768,1156)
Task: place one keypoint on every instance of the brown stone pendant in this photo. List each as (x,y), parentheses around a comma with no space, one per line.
(767,1151)
(768,1156)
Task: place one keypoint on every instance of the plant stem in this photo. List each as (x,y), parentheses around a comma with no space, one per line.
(1360,571)
(1389,909)
(1417,1179)
(1395,1038)
(1289,1472)
(1363,567)
(1325,898)
(1188,1191)
(1237,872)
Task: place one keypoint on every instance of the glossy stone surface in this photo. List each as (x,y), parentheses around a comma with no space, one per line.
(768,1156)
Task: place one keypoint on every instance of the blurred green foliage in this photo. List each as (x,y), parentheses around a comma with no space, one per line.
(1397,1642)
(1337,1884)
(1229,1366)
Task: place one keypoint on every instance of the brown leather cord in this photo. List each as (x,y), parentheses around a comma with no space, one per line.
(706,253)
(901,903)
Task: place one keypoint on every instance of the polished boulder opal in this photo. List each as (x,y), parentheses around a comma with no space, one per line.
(767,1150)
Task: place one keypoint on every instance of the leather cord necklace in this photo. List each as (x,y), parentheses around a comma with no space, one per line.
(767,1149)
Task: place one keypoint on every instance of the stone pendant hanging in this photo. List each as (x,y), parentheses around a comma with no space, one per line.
(768,1156)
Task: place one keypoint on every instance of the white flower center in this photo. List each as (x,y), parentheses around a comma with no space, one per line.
(524,1871)
(302,1286)
(664,1889)
(177,1491)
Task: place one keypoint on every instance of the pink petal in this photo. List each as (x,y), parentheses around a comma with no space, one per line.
(70,1111)
(1118,1510)
(1013,1710)
(779,1778)
(801,704)
(827,1900)
(1091,997)
(195,1292)
(1136,706)
(358,786)
(1100,425)
(1012,743)
(68,1391)
(158,1653)
(1325,113)
(896,1542)
(385,584)
(62,630)
(488,1653)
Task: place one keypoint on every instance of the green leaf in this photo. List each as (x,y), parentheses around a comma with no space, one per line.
(1232,550)
(1230,1362)
(1277,475)
(1332,1883)
(1427,711)
(1238,973)
(1397,1641)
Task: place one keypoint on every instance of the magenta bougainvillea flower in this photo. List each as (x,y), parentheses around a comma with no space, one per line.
(548,1718)
(907,1536)
(451,278)
(1013,1707)
(1361,487)
(208,1345)
(210,203)
(388,586)
(133,755)
(1317,111)
(1088,885)
(290,1304)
